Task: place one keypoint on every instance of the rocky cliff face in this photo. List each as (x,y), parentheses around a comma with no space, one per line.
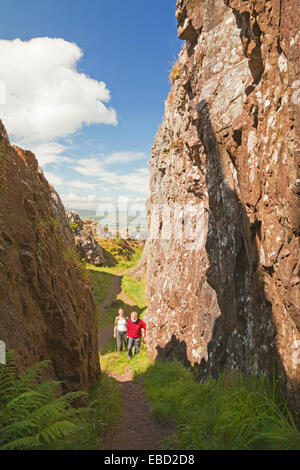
(47,310)
(85,242)
(223,266)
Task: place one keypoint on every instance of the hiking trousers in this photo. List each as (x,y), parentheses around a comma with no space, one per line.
(136,342)
(121,338)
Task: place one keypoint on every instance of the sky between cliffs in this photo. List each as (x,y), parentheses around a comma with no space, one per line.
(85,84)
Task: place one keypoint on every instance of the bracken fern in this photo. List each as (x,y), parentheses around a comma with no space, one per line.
(33,414)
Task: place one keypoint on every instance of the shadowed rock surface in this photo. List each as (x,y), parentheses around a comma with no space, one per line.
(47,310)
(229,292)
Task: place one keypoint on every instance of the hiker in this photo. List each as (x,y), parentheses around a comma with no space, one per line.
(120,330)
(134,333)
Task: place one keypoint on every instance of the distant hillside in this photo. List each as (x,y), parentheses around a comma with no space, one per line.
(111,220)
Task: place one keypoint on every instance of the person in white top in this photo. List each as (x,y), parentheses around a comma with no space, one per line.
(120,330)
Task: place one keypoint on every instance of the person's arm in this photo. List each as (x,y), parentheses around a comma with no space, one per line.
(128,327)
(115,326)
(143,324)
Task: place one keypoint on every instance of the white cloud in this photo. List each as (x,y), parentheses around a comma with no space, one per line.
(134,181)
(77,201)
(102,204)
(48,152)
(81,185)
(46,101)
(58,181)
(46,97)
(123,157)
(53,179)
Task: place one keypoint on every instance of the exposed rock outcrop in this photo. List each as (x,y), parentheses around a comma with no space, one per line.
(103,233)
(227,293)
(47,310)
(85,242)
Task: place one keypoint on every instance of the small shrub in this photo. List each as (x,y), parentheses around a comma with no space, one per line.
(41,225)
(176,144)
(74,226)
(54,223)
(79,264)
(175,73)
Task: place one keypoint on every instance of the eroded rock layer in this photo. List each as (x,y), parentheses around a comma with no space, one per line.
(85,242)
(225,291)
(47,310)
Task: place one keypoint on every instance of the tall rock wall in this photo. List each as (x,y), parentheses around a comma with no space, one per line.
(47,310)
(224,277)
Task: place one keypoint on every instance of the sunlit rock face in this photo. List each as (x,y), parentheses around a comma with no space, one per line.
(47,310)
(224,279)
(86,244)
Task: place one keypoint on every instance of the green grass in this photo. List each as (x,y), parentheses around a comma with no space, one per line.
(102,279)
(106,400)
(120,254)
(101,282)
(124,265)
(117,362)
(233,412)
(136,290)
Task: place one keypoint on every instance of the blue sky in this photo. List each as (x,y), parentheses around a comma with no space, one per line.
(130,46)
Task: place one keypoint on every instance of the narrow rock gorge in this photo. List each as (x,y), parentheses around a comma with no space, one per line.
(47,310)
(225,293)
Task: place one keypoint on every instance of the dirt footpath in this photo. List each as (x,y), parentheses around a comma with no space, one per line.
(137,429)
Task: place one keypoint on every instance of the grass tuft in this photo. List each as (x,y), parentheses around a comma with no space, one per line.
(232,412)
(175,73)
(79,264)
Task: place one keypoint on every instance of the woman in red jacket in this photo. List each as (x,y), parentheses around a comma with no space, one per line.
(134,333)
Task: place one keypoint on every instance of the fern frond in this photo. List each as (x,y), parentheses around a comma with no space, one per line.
(23,443)
(33,414)
(33,375)
(57,431)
